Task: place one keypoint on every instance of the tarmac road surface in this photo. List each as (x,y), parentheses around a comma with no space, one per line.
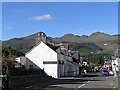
(89,81)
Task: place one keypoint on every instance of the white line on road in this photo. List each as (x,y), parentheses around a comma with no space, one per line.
(87,81)
(28,87)
(80,86)
(83,84)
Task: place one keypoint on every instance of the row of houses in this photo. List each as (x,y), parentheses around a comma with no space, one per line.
(114,62)
(55,59)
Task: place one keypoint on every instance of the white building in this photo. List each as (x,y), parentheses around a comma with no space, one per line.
(116,60)
(116,64)
(42,56)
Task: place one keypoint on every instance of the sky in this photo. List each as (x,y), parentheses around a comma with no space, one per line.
(20,19)
(0,20)
(60,0)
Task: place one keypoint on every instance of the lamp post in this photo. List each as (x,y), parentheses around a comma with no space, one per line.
(105,44)
(92,56)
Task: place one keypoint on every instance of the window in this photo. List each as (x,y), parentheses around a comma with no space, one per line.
(30,66)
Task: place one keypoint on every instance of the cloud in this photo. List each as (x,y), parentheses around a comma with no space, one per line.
(42,17)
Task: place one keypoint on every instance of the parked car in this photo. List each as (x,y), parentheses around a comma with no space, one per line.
(105,72)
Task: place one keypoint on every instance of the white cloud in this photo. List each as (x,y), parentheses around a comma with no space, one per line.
(42,17)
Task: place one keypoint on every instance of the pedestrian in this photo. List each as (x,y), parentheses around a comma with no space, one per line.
(114,70)
(117,69)
(85,71)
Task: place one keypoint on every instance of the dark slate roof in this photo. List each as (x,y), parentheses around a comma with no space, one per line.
(52,47)
(75,60)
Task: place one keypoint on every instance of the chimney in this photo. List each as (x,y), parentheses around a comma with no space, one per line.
(38,38)
(41,37)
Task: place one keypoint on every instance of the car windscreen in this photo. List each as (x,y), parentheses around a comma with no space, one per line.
(105,70)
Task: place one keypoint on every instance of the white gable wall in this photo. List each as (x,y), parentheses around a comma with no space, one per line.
(43,53)
(51,70)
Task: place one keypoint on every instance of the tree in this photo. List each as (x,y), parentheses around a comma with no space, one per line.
(8,56)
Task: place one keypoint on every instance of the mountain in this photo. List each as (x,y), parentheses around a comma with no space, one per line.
(95,37)
(22,44)
(97,40)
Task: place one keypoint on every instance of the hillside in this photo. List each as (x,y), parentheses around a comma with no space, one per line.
(22,44)
(95,42)
(95,37)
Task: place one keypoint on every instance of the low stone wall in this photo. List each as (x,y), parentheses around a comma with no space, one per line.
(25,80)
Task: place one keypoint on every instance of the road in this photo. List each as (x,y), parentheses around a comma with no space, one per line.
(0,83)
(90,81)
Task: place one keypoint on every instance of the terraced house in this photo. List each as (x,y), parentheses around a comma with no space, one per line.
(55,59)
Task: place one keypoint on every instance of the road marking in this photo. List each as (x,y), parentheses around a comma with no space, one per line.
(114,88)
(87,81)
(81,85)
(84,84)
(28,87)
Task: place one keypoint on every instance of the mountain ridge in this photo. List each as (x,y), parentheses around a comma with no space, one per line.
(90,38)
(99,38)
(69,34)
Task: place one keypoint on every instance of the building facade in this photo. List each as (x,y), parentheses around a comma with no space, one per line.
(45,57)
(116,60)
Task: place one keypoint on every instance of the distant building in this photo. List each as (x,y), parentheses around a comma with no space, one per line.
(117,53)
(116,60)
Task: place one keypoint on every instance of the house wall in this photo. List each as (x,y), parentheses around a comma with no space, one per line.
(69,68)
(43,57)
(61,69)
(51,70)
(26,62)
(21,60)
(72,68)
(42,53)
(29,64)
(117,62)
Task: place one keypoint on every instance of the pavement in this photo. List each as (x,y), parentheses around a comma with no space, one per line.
(89,81)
